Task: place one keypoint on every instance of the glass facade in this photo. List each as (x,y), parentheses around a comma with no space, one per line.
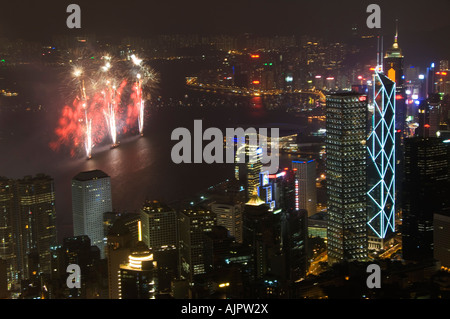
(346,124)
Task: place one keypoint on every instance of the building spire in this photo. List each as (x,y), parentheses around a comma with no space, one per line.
(396,35)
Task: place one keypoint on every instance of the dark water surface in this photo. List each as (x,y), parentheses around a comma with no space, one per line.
(141,167)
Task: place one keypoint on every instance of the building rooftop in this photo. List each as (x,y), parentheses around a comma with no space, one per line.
(90,175)
(344,93)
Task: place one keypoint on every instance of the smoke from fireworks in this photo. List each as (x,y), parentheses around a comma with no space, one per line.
(103,104)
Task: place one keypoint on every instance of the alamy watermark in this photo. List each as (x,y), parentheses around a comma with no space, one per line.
(74,279)
(74,19)
(374,279)
(264,147)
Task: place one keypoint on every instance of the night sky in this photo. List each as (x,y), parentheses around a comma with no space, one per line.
(424,25)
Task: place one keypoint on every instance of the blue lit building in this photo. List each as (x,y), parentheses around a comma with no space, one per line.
(382,158)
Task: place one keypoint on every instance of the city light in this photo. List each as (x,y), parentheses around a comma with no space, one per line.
(358,154)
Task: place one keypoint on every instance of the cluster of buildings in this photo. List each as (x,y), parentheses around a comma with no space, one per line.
(387,182)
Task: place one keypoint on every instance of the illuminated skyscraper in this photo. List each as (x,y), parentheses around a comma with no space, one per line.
(305,185)
(258,234)
(7,215)
(393,69)
(229,215)
(160,234)
(346,157)
(381,150)
(91,198)
(138,278)
(254,167)
(192,224)
(250,169)
(37,221)
(159,226)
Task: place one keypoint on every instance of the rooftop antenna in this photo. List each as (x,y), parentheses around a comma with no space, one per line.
(381,55)
(379,67)
(396,35)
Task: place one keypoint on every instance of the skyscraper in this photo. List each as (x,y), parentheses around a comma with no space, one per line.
(249,168)
(91,198)
(229,215)
(425,192)
(8,251)
(192,224)
(78,250)
(37,221)
(138,277)
(305,185)
(346,156)
(295,244)
(159,226)
(393,68)
(258,235)
(381,163)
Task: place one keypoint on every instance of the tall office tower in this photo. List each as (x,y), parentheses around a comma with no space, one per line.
(160,234)
(249,169)
(138,277)
(305,185)
(79,250)
(381,162)
(159,226)
(37,221)
(117,252)
(192,224)
(259,233)
(346,157)
(425,191)
(7,234)
(441,220)
(295,244)
(254,167)
(229,215)
(393,68)
(91,198)
(119,242)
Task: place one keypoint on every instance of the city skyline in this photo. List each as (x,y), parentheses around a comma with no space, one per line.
(143,19)
(89,119)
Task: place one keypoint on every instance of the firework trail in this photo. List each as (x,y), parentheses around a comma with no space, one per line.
(144,77)
(100,94)
(110,106)
(111,100)
(88,145)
